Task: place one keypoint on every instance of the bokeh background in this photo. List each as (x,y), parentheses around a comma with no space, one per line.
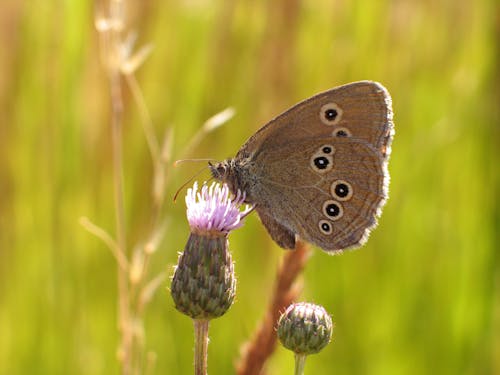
(422,297)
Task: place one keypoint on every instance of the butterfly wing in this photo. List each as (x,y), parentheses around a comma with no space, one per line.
(363,110)
(334,207)
(282,235)
(319,170)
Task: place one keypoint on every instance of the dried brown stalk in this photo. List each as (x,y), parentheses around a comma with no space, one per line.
(255,352)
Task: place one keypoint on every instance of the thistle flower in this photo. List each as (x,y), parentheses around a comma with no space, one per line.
(213,211)
(304,328)
(203,286)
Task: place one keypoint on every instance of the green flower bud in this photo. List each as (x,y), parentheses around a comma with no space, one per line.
(305,328)
(204,285)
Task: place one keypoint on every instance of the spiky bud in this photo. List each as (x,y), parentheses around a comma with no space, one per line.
(204,285)
(305,328)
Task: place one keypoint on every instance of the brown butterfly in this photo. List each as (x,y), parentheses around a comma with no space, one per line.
(319,170)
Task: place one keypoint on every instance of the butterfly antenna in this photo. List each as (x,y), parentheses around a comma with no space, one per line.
(188,181)
(177,162)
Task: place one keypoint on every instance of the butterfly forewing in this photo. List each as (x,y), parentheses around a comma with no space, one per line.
(364,111)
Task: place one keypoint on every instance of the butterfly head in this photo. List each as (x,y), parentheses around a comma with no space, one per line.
(224,171)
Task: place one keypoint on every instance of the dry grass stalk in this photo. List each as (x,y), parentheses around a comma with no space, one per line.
(262,345)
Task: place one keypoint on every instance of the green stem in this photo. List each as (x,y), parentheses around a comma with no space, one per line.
(300,361)
(200,346)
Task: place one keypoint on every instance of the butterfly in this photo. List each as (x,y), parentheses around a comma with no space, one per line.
(319,170)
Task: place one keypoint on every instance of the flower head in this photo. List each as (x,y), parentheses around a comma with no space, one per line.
(204,284)
(305,328)
(213,210)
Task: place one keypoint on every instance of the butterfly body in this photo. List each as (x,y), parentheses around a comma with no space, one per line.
(319,170)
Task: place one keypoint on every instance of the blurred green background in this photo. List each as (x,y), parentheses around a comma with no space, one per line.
(422,297)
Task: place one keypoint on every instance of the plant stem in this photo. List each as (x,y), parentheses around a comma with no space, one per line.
(300,361)
(200,346)
(117,153)
(286,290)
